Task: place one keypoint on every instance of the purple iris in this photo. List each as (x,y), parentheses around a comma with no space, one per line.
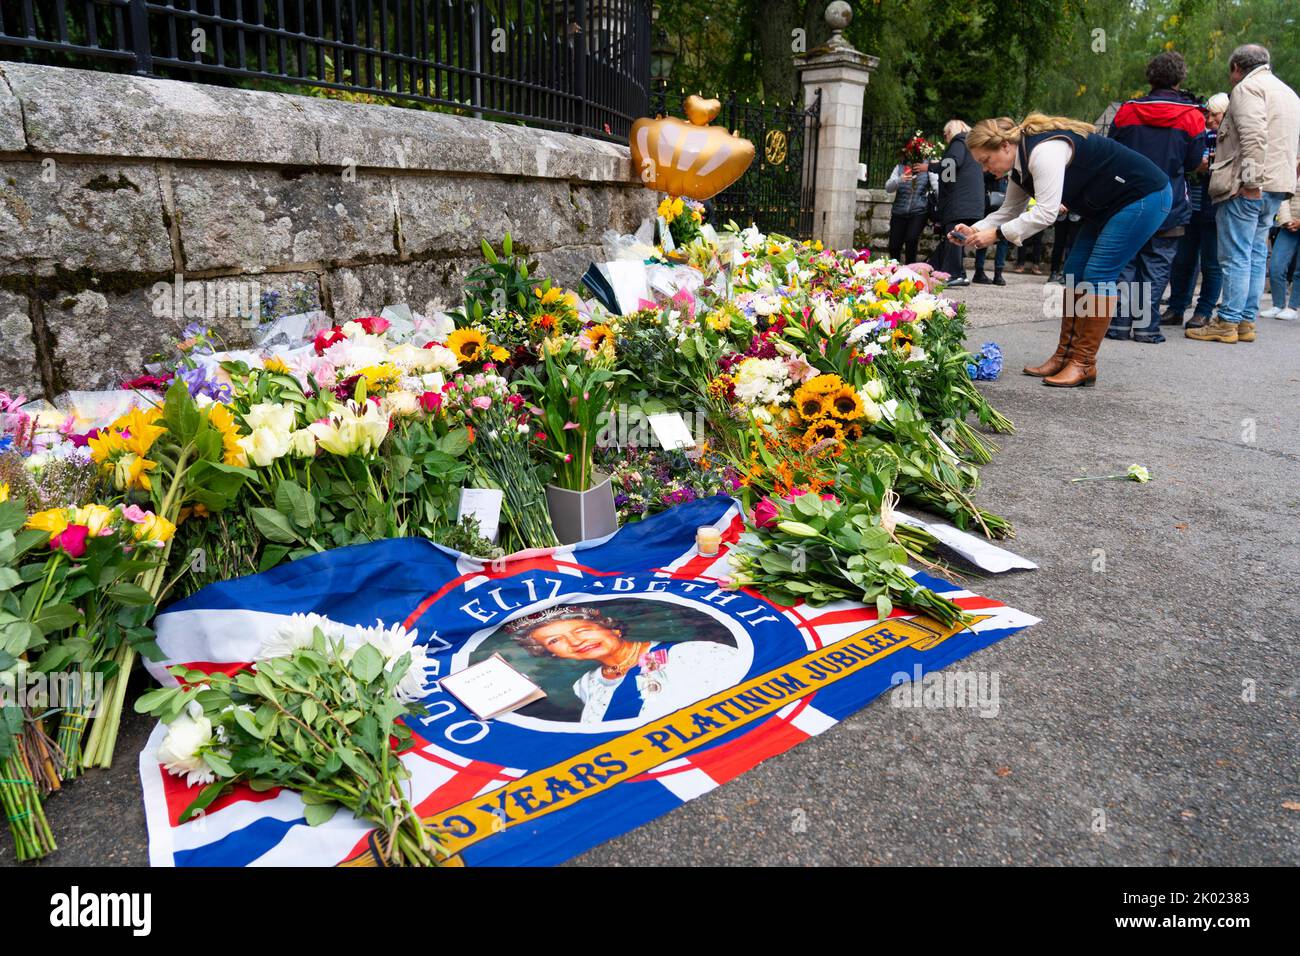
(197,380)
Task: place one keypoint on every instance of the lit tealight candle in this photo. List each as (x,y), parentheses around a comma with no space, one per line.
(708,540)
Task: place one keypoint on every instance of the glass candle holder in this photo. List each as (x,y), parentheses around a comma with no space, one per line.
(708,541)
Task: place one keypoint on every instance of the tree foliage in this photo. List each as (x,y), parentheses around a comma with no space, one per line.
(977,58)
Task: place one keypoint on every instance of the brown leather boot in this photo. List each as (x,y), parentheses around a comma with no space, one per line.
(1062,353)
(1089,330)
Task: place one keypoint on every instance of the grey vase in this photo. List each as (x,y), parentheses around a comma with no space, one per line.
(582,515)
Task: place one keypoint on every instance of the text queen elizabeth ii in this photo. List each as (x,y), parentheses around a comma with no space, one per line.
(644,679)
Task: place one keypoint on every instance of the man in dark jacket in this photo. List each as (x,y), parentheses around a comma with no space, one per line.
(1167,127)
(961,199)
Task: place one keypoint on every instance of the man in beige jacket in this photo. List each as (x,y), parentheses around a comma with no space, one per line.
(1254,170)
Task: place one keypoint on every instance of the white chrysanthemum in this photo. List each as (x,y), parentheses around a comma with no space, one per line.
(296,632)
(762,381)
(179,751)
(392,642)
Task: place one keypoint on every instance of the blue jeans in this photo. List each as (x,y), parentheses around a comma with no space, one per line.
(999,258)
(1285,249)
(1100,253)
(1143,283)
(1199,248)
(1243,253)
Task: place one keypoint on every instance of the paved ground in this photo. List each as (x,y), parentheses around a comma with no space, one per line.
(1128,700)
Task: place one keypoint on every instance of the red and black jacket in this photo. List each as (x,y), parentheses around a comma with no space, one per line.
(1168,128)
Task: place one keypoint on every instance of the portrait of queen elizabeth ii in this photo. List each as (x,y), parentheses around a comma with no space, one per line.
(632,676)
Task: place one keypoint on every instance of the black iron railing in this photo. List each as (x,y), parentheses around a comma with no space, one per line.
(577,65)
(778,190)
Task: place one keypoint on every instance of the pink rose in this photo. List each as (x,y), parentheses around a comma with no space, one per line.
(135,514)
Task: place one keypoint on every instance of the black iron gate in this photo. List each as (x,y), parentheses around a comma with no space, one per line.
(777,192)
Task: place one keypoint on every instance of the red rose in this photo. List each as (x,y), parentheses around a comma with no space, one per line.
(373,324)
(431,401)
(765,513)
(71,539)
(324,339)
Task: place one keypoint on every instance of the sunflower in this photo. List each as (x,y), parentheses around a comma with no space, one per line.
(823,384)
(598,335)
(845,403)
(808,403)
(106,445)
(276,364)
(131,473)
(467,344)
(556,296)
(852,431)
(901,340)
(823,429)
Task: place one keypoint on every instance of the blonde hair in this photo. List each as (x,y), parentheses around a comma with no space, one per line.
(953,127)
(1218,103)
(990,134)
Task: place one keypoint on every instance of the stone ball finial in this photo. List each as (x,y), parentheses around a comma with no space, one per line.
(838,15)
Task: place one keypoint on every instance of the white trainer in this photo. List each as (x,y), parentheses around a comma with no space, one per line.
(1288,315)
(1269,313)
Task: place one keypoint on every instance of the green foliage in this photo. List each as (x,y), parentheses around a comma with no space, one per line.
(322,721)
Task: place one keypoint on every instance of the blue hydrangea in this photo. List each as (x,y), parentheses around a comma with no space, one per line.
(988,363)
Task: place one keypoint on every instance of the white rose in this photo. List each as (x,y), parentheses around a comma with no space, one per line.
(870,410)
(302,444)
(179,751)
(265,445)
(401,404)
(271,415)
(875,389)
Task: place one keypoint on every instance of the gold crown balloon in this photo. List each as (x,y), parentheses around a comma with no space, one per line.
(690,159)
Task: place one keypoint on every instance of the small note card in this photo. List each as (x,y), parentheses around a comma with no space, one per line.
(485,505)
(672,431)
(491,688)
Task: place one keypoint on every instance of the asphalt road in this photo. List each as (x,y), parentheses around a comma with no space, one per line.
(1152,718)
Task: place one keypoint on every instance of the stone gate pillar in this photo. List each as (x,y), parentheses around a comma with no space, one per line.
(840,72)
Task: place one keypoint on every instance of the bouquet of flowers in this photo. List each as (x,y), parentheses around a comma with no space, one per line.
(499,430)
(320,712)
(918,149)
(683,217)
(573,394)
(818,549)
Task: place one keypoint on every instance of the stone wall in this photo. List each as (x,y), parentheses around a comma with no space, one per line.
(111,184)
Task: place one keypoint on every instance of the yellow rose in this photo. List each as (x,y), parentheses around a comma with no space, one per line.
(154,529)
(95,517)
(53,520)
